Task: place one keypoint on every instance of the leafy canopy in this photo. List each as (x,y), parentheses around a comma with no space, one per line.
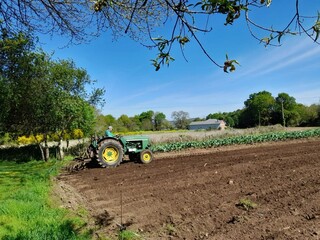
(39,95)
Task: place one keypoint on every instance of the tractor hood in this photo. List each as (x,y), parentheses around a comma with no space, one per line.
(135,143)
(134,137)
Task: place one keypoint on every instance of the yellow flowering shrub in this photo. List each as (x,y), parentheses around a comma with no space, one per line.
(54,137)
(39,137)
(66,136)
(26,140)
(77,133)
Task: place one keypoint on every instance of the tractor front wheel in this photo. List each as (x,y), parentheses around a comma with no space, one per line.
(146,156)
(110,153)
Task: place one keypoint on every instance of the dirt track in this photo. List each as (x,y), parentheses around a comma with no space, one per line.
(197,196)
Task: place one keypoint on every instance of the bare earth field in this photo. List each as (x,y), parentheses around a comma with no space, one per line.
(196,194)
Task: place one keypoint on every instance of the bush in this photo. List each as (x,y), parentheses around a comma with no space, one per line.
(24,140)
(5,139)
(23,153)
(77,134)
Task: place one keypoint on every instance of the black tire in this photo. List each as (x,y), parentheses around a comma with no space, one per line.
(134,157)
(109,153)
(146,156)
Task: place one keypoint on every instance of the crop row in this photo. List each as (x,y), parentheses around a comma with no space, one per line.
(248,139)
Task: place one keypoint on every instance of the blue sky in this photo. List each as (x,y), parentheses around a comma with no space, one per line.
(198,87)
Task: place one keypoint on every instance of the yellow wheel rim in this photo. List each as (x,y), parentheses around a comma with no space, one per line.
(146,157)
(110,154)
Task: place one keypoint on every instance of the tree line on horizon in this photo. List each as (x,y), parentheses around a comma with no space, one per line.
(260,109)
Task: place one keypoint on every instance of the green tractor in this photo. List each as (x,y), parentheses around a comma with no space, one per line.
(110,151)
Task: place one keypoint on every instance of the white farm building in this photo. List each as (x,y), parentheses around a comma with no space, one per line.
(209,124)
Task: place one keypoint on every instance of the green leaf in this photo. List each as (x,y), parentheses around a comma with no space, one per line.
(184,40)
(157,39)
(266,40)
(316,29)
(268,3)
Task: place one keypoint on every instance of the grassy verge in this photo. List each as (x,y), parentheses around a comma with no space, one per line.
(26,211)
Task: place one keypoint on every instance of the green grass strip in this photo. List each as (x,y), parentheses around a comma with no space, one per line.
(246,139)
(25,208)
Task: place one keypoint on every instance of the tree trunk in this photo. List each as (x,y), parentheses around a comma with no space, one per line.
(68,143)
(283,119)
(42,151)
(46,150)
(60,150)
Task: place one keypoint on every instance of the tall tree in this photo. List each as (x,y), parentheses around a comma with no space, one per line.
(23,76)
(125,123)
(260,107)
(285,104)
(109,121)
(159,119)
(235,115)
(308,116)
(317,120)
(181,119)
(219,116)
(146,119)
(184,19)
(42,95)
(136,121)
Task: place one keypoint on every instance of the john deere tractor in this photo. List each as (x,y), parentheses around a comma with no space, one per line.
(110,151)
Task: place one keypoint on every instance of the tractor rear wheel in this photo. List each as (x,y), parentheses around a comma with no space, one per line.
(109,153)
(146,156)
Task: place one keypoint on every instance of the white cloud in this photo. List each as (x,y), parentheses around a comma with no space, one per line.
(260,63)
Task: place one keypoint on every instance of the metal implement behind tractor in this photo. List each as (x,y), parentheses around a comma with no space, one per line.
(109,151)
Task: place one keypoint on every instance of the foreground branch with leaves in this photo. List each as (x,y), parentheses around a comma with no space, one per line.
(144,21)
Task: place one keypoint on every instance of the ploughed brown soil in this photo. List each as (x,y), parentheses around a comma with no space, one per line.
(198,194)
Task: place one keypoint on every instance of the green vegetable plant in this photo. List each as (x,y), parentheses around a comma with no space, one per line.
(246,204)
(247,139)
